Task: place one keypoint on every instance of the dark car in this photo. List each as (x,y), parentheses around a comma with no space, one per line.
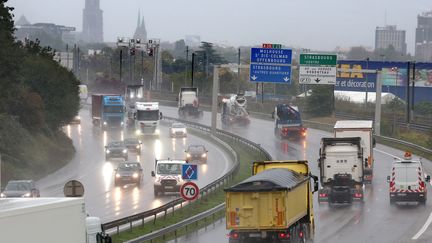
(133,144)
(128,173)
(116,150)
(196,153)
(20,188)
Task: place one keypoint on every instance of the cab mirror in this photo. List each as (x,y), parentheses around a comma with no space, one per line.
(160,116)
(428,178)
(373,142)
(272,114)
(153,174)
(388,179)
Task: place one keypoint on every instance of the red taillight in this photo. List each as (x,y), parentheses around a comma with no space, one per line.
(234,235)
(358,195)
(284,235)
(301,234)
(322,195)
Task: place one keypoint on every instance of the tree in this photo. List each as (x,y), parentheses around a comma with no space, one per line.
(320,102)
(211,54)
(358,53)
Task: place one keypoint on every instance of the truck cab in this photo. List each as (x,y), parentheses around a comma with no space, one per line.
(113,110)
(168,176)
(147,118)
(188,102)
(407,182)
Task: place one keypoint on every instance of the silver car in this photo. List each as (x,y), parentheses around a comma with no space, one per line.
(20,188)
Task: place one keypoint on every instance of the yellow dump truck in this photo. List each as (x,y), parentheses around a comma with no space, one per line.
(275,204)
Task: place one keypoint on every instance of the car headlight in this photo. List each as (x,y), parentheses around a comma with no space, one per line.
(204,155)
(117,175)
(122,123)
(107,151)
(2,195)
(188,155)
(137,132)
(124,151)
(157,131)
(28,194)
(135,175)
(137,146)
(105,123)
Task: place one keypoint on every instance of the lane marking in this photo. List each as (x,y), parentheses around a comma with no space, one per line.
(424,228)
(391,155)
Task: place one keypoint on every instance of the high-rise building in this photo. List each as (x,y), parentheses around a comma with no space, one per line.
(140,31)
(389,36)
(92,31)
(423,47)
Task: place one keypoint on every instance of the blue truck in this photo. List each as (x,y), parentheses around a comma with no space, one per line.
(108,111)
(288,123)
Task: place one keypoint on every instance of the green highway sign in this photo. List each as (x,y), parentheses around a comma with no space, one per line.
(318,59)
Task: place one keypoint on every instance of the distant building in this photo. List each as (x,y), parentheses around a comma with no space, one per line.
(92,31)
(390,36)
(423,47)
(31,31)
(193,40)
(140,31)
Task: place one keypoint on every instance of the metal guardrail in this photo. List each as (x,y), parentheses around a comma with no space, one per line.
(131,220)
(407,144)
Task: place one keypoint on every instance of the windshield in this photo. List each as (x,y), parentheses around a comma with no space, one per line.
(169,169)
(178,125)
(131,141)
(129,167)
(18,186)
(116,144)
(113,109)
(148,115)
(196,149)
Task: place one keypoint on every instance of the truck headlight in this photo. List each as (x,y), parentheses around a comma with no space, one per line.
(135,175)
(137,132)
(157,131)
(137,146)
(204,155)
(184,130)
(2,195)
(188,155)
(28,194)
(107,151)
(117,175)
(122,123)
(105,123)
(124,151)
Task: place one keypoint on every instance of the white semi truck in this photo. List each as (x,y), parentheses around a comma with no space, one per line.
(341,170)
(147,116)
(364,130)
(48,220)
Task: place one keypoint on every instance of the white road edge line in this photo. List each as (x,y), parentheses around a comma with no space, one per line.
(424,228)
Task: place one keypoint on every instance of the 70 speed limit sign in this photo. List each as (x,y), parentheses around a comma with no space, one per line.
(189,191)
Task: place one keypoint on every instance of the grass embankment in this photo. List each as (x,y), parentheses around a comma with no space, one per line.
(26,155)
(246,156)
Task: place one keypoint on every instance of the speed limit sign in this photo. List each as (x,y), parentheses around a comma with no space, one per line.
(189,191)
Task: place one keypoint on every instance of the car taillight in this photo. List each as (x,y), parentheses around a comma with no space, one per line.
(322,195)
(284,235)
(358,195)
(301,234)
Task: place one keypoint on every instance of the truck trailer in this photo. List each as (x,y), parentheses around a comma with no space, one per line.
(108,110)
(288,122)
(188,103)
(364,130)
(275,204)
(48,220)
(341,170)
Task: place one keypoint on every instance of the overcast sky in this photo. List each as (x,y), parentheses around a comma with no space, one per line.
(313,24)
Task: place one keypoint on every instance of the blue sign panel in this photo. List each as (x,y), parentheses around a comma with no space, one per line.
(271,56)
(189,172)
(270,73)
(393,75)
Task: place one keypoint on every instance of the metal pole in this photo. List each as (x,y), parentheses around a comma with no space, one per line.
(130,67)
(214,98)
(378,104)
(186,64)
(238,72)
(408,93)
(192,69)
(142,67)
(366,86)
(67,56)
(121,62)
(133,68)
(412,90)
(262,93)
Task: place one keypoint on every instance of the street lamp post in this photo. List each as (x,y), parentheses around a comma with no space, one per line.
(366,86)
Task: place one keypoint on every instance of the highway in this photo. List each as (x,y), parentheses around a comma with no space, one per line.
(375,221)
(89,167)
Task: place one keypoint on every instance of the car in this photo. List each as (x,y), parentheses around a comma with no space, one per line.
(127,173)
(168,176)
(178,130)
(76,120)
(196,153)
(116,149)
(20,188)
(133,144)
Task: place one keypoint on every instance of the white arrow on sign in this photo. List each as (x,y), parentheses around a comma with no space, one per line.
(254,77)
(286,79)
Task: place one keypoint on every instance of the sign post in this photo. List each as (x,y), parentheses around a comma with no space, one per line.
(318,69)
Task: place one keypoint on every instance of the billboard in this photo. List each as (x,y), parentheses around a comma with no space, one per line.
(393,75)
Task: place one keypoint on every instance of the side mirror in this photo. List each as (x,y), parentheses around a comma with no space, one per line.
(134,116)
(160,116)
(428,178)
(106,146)
(177,99)
(272,114)
(373,142)
(315,178)
(153,174)
(388,179)
(366,164)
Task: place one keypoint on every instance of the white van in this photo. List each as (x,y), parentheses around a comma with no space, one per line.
(168,176)
(407,182)
(83,92)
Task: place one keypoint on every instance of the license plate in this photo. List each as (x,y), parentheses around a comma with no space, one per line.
(401,194)
(255,235)
(169,187)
